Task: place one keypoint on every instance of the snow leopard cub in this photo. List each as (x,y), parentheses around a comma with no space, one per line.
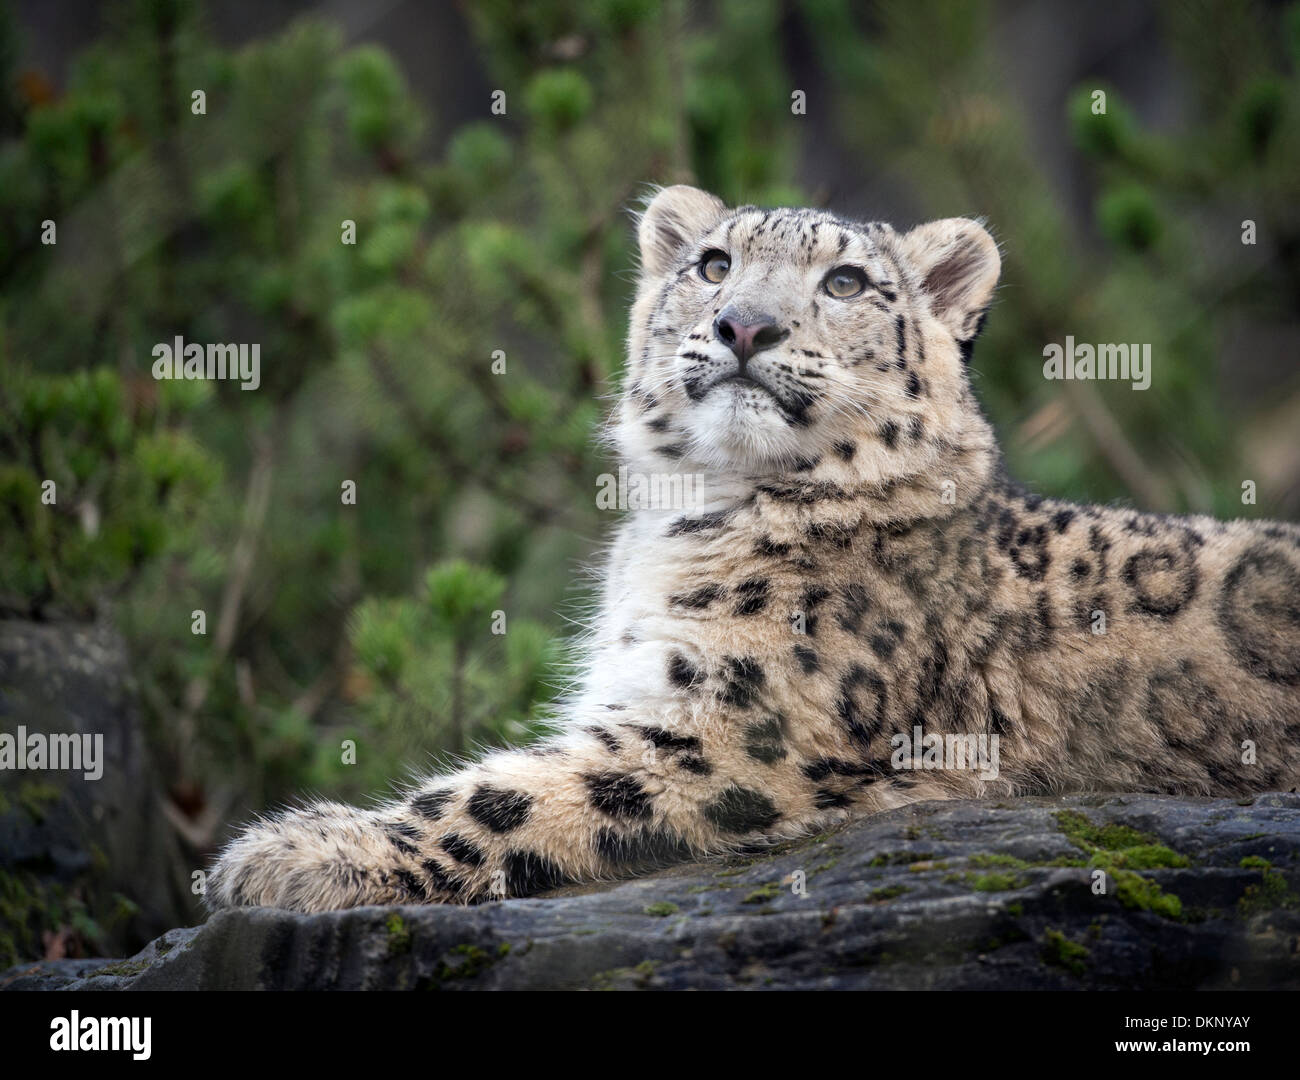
(855,565)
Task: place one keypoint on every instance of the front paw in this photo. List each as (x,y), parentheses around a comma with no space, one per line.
(320,858)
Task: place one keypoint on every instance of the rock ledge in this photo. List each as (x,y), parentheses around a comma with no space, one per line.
(1200,893)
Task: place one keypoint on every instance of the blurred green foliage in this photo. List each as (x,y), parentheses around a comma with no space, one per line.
(506,238)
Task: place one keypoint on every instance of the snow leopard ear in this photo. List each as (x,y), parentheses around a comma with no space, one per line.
(958,265)
(675,218)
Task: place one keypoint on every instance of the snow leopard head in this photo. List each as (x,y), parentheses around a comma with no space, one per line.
(767,341)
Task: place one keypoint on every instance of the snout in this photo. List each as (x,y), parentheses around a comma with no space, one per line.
(746,333)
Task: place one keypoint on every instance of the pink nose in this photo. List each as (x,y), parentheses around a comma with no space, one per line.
(747,337)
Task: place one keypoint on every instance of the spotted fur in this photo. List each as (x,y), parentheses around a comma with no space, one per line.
(858,564)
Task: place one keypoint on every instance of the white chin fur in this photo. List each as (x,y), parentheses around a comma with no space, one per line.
(742,428)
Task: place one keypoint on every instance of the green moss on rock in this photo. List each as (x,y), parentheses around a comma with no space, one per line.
(1142,894)
(901,858)
(399,935)
(996,882)
(1271,893)
(1059,951)
(466,961)
(1088,836)
(1120,851)
(124,968)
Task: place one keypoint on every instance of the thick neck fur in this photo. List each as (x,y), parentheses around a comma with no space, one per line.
(869,486)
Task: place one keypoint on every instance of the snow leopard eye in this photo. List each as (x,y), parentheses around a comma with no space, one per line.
(714,266)
(845,282)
